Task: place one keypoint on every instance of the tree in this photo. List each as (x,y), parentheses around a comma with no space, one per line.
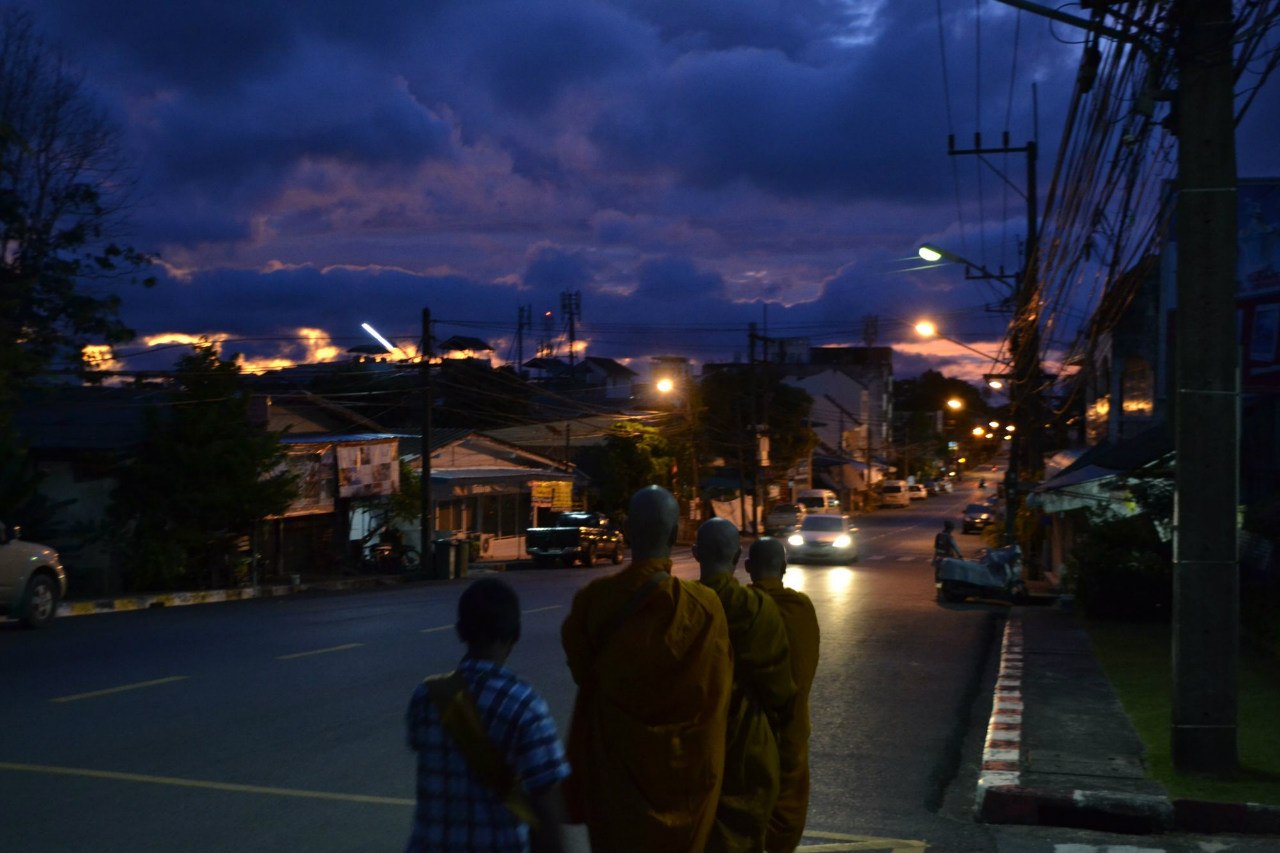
(61,202)
(202,479)
(728,426)
(633,456)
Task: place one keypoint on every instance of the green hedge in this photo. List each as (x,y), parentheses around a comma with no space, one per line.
(1119,568)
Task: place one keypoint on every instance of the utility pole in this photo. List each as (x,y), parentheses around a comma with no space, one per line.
(1206,592)
(524,319)
(1024,343)
(1206,583)
(571,307)
(426,521)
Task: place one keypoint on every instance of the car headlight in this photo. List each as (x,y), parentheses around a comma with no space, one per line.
(795,539)
(844,540)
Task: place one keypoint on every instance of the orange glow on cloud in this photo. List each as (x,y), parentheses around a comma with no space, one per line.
(100,357)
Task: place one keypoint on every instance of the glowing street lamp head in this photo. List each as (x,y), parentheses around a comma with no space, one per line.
(926,328)
(379,338)
(930,254)
(979,431)
(954,404)
(666,385)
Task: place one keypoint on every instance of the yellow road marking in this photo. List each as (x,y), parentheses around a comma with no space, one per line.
(320,651)
(542,609)
(858,842)
(121,689)
(174,781)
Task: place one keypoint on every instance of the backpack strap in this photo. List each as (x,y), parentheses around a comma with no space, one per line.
(461,720)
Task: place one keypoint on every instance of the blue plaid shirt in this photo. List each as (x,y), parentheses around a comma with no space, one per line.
(456,811)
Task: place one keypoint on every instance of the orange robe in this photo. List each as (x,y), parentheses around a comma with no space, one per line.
(763,692)
(647,739)
(786,826)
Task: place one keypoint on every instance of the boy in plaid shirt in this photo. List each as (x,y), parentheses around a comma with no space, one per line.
(456,810)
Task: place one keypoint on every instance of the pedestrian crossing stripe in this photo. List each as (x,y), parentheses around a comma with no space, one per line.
(845,842)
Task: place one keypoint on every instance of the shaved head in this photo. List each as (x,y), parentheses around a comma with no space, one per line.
(651,523)
(718,547)
(767,558)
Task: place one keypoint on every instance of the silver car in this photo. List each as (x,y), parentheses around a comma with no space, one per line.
(823,539)
(32,580)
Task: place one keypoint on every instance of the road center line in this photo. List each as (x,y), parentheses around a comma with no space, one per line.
(173,781)
(437,629)
(94,694)
(320,651)
(544,609)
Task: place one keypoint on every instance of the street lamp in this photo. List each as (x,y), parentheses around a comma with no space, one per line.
(667,386)
(936,255)
(929,329)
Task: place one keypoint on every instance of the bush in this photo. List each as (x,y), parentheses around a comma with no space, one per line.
(1119,568)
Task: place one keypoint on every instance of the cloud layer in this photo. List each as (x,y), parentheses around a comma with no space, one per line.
(688,166)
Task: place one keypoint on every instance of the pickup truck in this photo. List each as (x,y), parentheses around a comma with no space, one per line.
(576,537)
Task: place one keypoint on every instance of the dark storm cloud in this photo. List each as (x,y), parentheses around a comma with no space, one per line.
(552,270)
(316,165)
(539,49)
(677,278)
(855,127)
(325,110)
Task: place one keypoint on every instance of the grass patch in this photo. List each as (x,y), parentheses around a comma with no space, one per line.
(1136,658)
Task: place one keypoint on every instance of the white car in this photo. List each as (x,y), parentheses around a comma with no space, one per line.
(823,539)
(32,580)
(894,493)
(917,491)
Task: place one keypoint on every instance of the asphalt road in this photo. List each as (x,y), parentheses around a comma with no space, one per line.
(276,724)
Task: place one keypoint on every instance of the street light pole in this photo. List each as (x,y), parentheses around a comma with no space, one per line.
(1024,341)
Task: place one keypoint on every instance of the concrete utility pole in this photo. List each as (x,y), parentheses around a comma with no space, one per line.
(1206,590)
(1206,581)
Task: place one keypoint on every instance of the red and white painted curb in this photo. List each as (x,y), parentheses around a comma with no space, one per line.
(1002,753)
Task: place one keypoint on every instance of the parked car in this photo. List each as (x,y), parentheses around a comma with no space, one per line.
(784,518)
(976,517)
(916,492)
(824,539)
(32,580)
(933,487)
(819,500)
(576,537)
(894,493)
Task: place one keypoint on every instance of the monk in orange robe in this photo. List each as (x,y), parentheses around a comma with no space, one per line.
(651,658)
(766,563)
(763,690)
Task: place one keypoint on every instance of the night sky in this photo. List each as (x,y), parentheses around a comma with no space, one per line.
(688,166)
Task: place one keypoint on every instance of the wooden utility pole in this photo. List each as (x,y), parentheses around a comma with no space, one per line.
(1206,591)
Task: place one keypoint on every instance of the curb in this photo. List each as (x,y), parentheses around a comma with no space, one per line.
(1002,799)
(129,603)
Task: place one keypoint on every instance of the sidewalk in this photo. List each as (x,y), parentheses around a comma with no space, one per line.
(1062,752)
(145,601)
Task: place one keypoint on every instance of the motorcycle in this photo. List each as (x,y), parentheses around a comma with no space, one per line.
(997,573)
